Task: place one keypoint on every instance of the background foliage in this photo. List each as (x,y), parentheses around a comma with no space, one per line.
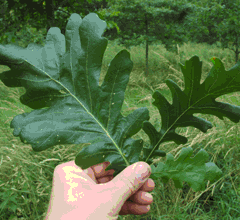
(25,184)
(131,22)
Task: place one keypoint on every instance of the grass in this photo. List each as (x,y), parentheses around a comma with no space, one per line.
(26,176)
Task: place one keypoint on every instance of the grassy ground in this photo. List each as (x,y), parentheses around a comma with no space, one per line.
(26,176)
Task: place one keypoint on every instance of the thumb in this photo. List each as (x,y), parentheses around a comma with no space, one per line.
(130,180)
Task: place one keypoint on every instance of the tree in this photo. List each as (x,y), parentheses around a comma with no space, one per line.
(49,13)
(220,21)
(200,21)
(138,21)
(205,22)
(24,10)
(229,29)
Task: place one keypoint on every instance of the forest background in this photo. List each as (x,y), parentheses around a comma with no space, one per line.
(131,24)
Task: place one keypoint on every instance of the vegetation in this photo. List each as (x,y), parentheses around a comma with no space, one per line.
(26,176)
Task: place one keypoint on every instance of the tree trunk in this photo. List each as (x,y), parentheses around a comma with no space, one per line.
(50,14)
(146,22)
(237,51)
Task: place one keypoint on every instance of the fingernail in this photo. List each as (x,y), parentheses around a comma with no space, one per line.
(142,172)
(107,163)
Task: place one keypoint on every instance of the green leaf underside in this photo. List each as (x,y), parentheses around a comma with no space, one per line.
(62,86)
(64,76)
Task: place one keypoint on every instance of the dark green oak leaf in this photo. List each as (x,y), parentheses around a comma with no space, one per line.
(196,98)
(195,171)
(62,86)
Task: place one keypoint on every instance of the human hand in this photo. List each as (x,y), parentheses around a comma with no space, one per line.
(94,194)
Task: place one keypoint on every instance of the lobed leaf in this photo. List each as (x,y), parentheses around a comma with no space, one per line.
(194,170)
(196,98)
(62,86)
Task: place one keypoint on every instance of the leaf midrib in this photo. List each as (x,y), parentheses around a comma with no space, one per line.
(119,150)
(174,124)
